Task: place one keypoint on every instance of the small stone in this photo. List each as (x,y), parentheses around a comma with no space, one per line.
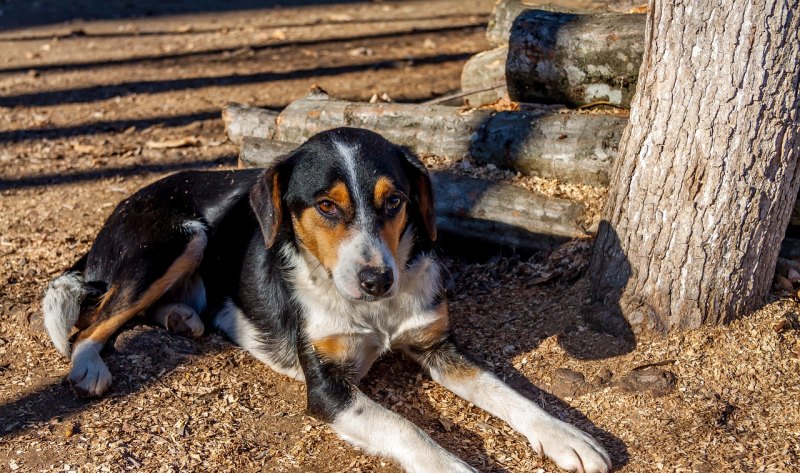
(659,382)
(70,429)
(567,382)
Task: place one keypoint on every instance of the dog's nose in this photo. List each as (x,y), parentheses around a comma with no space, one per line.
(376,281)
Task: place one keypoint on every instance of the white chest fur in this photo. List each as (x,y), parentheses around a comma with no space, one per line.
(369,328)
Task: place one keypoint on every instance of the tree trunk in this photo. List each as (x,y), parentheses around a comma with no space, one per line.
(708,168)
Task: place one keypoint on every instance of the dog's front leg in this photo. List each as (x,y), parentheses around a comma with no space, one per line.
(333,398)
(569,447)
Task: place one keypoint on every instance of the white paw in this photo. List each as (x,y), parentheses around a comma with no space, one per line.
(180,319)
(89,376)
(570,448)
(446,462)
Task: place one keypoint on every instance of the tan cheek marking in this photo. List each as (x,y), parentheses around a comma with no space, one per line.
(334,347)
(319,238)
(392,231)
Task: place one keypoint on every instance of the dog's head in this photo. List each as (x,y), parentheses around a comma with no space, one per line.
(350,198)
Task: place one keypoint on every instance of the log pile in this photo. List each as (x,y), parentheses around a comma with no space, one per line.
(470,207)
(569,146)
(571,58)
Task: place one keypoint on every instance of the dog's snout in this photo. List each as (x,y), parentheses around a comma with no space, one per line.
(376,281)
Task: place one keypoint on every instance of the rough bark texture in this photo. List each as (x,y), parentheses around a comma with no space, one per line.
(574,59)
(498,213)
(484,71)
(506,11)
(241,120)
(708,168)
(572,147)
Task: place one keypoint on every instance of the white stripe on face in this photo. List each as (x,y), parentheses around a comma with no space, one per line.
(363,249)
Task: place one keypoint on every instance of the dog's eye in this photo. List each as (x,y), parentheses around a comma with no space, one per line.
(327,207)
(393,202)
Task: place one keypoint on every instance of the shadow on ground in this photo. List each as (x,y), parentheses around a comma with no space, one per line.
(24,14)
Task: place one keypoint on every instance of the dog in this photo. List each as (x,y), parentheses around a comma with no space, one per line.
(317,266)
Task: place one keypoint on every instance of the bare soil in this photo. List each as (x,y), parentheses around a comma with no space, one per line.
(92,110)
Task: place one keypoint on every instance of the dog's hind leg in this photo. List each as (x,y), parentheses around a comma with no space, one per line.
(180,309)
(126,299)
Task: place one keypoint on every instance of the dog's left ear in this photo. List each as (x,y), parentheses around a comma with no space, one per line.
(418,175)
(267,204)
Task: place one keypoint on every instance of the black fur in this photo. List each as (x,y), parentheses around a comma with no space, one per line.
(242,261)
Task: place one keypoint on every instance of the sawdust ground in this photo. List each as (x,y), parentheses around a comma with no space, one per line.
(76,139)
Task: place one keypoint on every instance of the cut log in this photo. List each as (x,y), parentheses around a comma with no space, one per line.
(265,150)
(498,213)
(506,11)
(574,59)
(572,147)
(241,120)
(503,213)
(485,71)
(433,130)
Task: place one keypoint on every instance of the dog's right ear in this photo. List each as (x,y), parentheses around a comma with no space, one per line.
(267,203)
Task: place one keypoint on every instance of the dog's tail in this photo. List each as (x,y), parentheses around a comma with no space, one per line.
(62,305)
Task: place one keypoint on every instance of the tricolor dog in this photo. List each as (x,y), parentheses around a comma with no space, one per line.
(317,266)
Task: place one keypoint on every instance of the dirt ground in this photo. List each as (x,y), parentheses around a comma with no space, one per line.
(92,110)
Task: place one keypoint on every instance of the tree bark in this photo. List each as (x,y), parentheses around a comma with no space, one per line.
(708,167)
(572,147)
(574,59)
(494,212)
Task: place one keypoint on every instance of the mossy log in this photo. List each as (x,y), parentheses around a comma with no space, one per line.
(572,147)
(498,213)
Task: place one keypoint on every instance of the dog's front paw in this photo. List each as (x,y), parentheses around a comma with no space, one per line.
(89,376)
(570,448)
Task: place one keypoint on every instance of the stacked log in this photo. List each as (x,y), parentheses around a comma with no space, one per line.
(557,57)
(473,208)
(572,147)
